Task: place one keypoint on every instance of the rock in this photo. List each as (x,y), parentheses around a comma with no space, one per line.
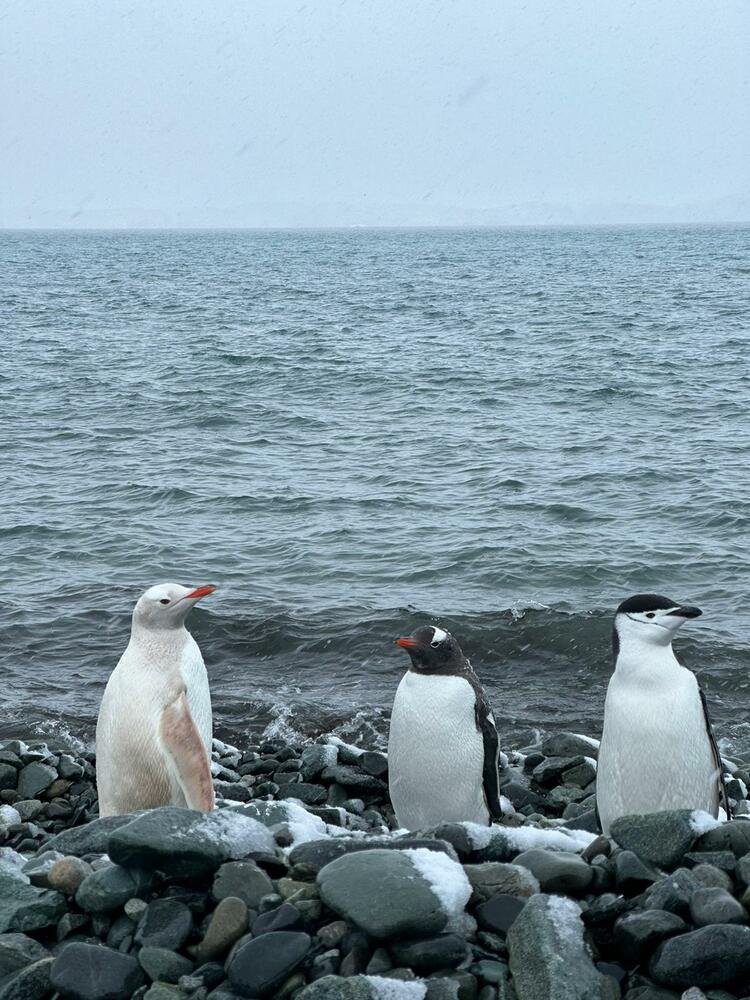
(227,924)
(383,893)
(28,809)
(352,777)
(636,935)
(338,988)
(569,745)
(284,918)
(550,771)
(557,871)
(716,955)
(26,908)
(315,759)
(495,877)
(162,991)
(547,954)
(108,888)
(8,776)
(166,924)
(67,874)
(331,935)
(430,954)
(261,964)
(672,893)
(633,875)
(185,842)
(93,972)
(31,983)
(244,880)
(499,913)
(711,877)
(69,767)
(34,779)
(18,951)
(92,838)
(716,906)
(70,923)
(312,795)
(374,763)
(164,965)
(316,854)
(733,836)
(661,838)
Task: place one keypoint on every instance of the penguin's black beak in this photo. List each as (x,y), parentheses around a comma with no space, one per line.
(407,643)
(686,612)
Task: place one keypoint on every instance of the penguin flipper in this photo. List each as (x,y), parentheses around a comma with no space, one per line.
(187,754)
(490,775)
(723,798)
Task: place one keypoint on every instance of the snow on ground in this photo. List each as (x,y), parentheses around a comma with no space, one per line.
(701,822)
(523,838)
(446,877)
(396,989)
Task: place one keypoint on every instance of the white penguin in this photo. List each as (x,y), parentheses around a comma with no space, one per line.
(657,750)
(153,735)
(443,745)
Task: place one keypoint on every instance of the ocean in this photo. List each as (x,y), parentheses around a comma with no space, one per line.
(351,433)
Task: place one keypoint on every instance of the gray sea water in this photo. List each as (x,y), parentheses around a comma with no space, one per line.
(352,433)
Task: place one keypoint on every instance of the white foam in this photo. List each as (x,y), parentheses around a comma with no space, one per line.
(446,877)
(396,989)
(701,822)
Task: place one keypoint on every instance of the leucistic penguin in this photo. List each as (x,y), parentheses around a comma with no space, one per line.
(657,750)
(443,745)
(153,735)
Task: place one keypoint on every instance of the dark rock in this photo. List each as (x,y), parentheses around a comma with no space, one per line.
(92,838)
(603,912)
(26,908)
(499,913)
(8,776)
(569,745)
(637,934)
(723,860)
(632,875)
(588,821)
(331,935)
(93,972)
(35,778)
(672,893)
(352,777)
(166,924)
(312,795)
(374,763)
(262,964)
(184,842)
(108,888)
(600,846)
(284,918)
(495,877)
(581,775)
(379,963)
(430,954)
(711,877)
(243,879)
(661,838)
(711,956)
(547,954)
(383,893)
(31,983)
(227,924)
(337,988)
(557,871)
(521,796)
(716,906)
(18,951)
(550,771)
(316,854)
(164,965)
(733,836)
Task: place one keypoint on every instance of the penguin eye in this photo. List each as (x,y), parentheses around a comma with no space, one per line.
(435,643)
(650,614)
(164,600)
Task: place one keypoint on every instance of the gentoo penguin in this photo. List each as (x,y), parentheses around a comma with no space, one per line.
(657,750)
(443,746)
(153,736)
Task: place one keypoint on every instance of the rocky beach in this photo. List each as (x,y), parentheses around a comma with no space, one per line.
(300,886)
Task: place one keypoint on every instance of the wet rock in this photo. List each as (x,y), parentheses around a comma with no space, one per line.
(94,972)
(661,838)
(710,956)
(262,964)
(499,913)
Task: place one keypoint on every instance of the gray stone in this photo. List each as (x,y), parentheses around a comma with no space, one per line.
(8,776)
(711,877)
(166,924)
(28,809)
(557,871)
(547,954)
(632,874)
(67,874)
(716,955)
(164,965)
(382,893)
(34,779)
(69,767)
(92,838)
(26,908)
(716,906)
(550,771)
(259,966)
(311,795)
(227,924)
(672,893)
(568,745)
(637,934)
(108,888)
(499,913)
(338,988)
(445,951)
(17,951)
(494,877)
(315,759)
(93,972)
(185,842)
(661,838)
(316,854)
(31,983)
(352,777)
(243,879)
(282,918)
(733,836)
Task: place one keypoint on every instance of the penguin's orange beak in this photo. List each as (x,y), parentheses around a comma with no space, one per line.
(195,595)
(407,643)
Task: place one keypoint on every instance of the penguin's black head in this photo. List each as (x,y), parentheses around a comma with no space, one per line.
(432,650)
(650,618)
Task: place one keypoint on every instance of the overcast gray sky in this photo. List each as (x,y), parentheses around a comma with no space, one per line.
(373,112)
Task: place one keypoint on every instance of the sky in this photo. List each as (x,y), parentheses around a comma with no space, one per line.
(373,112)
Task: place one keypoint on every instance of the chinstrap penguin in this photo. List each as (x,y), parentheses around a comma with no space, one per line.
(443,744)
(657,750)
(153,735)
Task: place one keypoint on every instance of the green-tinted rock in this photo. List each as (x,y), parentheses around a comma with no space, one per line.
(26,908)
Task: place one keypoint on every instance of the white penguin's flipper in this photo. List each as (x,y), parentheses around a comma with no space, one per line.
(186,754)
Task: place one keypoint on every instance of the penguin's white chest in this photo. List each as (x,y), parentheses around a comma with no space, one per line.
(435,753)
(655,752)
